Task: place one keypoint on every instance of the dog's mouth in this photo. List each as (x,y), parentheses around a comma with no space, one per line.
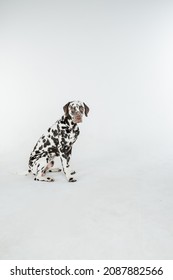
(77,119)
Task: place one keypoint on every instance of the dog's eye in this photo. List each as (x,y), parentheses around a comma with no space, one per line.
(73,111)
(81,109)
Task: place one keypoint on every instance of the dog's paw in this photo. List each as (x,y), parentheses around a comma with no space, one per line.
(44,179)
(72,179)
(55,170)
(49,179)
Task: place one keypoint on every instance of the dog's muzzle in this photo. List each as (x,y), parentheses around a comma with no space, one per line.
(77,118)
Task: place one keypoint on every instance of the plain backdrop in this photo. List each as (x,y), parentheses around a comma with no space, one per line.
(117,57)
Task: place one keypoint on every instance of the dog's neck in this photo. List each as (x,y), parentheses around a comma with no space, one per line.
(68,121)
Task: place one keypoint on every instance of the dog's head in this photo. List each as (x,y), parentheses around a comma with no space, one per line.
(76,110)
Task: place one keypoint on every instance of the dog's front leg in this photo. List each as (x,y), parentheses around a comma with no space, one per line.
(65,155)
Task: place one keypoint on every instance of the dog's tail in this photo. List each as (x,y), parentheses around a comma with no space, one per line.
(23,173)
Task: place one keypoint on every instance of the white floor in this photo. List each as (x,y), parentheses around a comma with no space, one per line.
(120,208)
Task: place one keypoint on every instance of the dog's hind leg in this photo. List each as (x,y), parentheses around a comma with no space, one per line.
(40,167)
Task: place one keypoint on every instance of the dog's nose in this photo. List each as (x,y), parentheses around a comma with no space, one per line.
(78,114)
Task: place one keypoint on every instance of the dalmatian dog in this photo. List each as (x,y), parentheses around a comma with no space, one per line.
(56,142)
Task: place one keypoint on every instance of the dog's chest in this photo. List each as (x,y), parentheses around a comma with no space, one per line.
(69,135)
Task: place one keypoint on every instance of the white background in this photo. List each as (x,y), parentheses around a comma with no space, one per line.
(117,57)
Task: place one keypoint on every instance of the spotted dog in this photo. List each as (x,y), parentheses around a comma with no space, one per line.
(58,141)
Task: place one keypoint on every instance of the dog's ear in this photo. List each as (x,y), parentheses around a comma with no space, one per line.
(86,110)
(65,108)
